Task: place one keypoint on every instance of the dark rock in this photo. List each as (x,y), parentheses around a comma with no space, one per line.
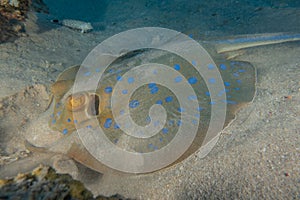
(12,17)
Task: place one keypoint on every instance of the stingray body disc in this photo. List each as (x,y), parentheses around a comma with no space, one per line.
(147,98)
(159,82)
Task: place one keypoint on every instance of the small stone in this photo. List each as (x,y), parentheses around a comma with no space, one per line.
(20,177)
(286,174)
(4,55)
(3,182)
(14,3)
(17,28)
(288,97)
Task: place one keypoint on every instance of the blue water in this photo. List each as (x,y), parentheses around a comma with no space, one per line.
(91,10)
(228,16)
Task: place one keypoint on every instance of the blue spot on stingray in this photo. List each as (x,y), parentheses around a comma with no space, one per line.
(108,89)
(165,130)
(160,139)
(177,67)
(192,97)
(239,81)
(179,123)
(154,90)
(68,120)
(89,126)
(226,83)
(231,102)
(119,78)
(87,73)
(195,122)
(211,66)
(97,70)
(156,123)
(75,121)
(169,99)
(108,123)
(124,91)
(127,125)
(200,108)
(116,141)
(58,113)
(140,132)
(116,126)
(192,80)
(134,104)
(237,88)
(212,103)
(180,109)
(178,79)
(148,119)
(160,102)
(154,72)
(212,80)
(110,70)
(194,62)
(241,70)
(65,131)
(223,67)
(236,74)
(197,115)
(151,85)
(221,93)
(207,93)
(233,64)
(171,122)
(130,80)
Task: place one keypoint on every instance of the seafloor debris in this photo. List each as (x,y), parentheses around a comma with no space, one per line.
(13,14)
(44,183)
(14,10)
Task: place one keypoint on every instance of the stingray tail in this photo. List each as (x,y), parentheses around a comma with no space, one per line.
(253,40)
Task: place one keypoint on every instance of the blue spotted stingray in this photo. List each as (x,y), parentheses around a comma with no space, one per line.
(70,111)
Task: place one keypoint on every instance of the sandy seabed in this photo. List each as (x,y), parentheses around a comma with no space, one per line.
(257,156)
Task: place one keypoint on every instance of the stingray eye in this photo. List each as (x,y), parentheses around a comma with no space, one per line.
(75,102)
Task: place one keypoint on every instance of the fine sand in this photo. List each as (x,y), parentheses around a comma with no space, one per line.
(257,156)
